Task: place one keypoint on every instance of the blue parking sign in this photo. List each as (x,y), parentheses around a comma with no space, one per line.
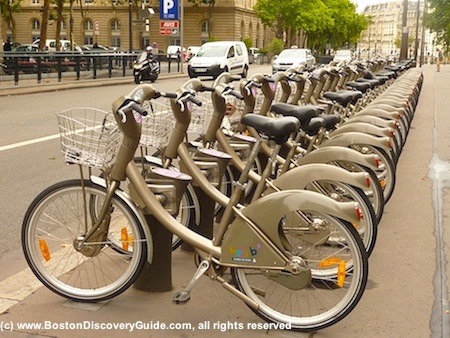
(168,9)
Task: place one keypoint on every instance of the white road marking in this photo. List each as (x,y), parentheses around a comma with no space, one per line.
(29,142)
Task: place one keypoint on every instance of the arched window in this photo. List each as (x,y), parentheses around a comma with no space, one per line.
(204,32)
(205,27)
(88,32)
(35,29)
(35,25)
(115,33)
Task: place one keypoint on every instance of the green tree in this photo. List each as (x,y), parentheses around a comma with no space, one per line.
(317,21)
(7,9)
(345,28)
(438,20)
(292,17)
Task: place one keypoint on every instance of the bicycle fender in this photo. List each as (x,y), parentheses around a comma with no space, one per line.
(363,128)
(330,154)
(375,120)
(350,138)
(379,112)
(264,245)
(300,177)
(127,200)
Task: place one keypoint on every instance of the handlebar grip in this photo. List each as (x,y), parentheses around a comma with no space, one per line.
(206,89)
(194,100)
(138,108)
(170,95)
(236,94)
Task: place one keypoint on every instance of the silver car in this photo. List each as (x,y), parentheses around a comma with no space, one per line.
(293,57)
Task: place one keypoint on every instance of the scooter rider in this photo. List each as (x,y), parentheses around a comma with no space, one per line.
(150,56)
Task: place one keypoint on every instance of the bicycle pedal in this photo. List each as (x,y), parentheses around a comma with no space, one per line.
(181,297)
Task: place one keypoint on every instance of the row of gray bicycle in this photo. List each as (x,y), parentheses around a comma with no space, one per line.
(277,182)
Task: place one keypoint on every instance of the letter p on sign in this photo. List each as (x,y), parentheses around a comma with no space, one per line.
(167,5)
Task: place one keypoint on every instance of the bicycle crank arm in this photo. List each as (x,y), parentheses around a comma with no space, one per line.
(184,296)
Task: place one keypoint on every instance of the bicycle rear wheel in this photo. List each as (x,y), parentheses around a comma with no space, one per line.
(52,224)
(326,299)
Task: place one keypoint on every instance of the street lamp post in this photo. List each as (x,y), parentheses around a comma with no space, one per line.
(130,23)
(404,46)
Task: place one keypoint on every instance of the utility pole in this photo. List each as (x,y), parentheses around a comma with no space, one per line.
(416,44)
(130,23)
(422,46)
(404,46)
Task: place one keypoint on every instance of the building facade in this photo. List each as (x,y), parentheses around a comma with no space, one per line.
(384,34)
(99,21)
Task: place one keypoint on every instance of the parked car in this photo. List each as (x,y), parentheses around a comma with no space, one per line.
(293,57)
(214,58)
(343,55)
(64,45)
(174,50)
(26,56)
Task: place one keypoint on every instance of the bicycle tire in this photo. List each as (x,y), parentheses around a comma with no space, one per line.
(322,302)
(386,173)
(367,227)
(53,221)
(374,192)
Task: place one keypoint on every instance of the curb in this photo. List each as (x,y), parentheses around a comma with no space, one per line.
(51,87)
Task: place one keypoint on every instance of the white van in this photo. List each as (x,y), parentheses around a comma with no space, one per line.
(64,45)
(214,58)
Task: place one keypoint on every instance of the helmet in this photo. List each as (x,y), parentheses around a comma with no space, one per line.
(149,50)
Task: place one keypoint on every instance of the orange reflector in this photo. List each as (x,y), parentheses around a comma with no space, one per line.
(124,238)
(378,161)
(368,180)
(341,274)
(359,212)
(44,249)
(328,262)
(382,183)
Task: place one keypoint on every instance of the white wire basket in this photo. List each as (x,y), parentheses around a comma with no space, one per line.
(234,113)
(88,136)
(201,115)
(157,126)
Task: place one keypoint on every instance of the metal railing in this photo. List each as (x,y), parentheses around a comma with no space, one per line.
(60,66)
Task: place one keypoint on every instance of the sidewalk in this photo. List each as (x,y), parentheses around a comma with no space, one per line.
(405,296)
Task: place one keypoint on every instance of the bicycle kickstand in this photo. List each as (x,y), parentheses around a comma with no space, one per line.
(184,295)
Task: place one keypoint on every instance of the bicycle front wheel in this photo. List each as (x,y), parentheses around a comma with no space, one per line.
(326,299)
(53,223)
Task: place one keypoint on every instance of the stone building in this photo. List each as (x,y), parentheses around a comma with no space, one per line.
(384,34)
(109,25)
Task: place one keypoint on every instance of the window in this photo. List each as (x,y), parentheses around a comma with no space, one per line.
(205,27)
(239,50)
(115,25)
(35,25)
(35,2)
(231,52)
(115,41)
(88,26)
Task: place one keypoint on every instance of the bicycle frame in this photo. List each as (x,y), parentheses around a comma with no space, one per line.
(249,228)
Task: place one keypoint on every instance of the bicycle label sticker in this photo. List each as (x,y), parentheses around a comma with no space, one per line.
(245,254)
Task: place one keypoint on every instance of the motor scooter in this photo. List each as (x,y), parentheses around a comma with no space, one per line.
(145,68)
